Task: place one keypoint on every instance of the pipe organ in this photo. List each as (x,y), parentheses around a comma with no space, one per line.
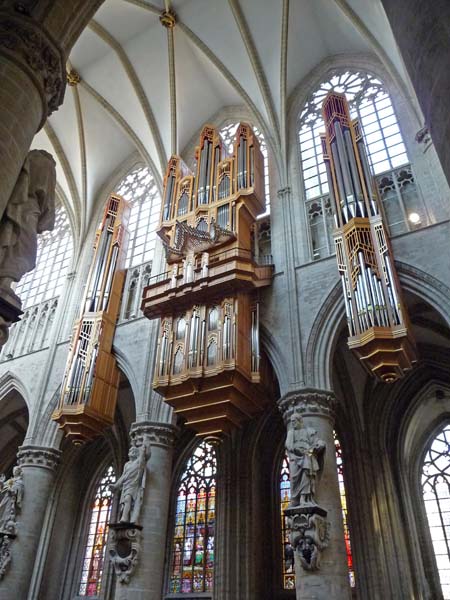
(209,367)
(91,379)
(377,320)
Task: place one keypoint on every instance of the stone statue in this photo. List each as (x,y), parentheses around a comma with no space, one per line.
(11,494)
(305,452)
(173,279)
(132,483)
(205,264)
(30,210)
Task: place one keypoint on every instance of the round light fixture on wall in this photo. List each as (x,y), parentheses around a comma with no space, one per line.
(414,218)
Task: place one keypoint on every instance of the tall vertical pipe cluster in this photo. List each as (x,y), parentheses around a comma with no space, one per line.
(89,389)
(377,320)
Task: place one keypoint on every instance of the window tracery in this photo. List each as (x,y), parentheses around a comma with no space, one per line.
(192,561)
(371,104)
(140,189)
(95,548)
(54,251)
(436,496)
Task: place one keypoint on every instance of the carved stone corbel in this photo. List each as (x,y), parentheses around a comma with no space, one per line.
(124,548)
(309,534)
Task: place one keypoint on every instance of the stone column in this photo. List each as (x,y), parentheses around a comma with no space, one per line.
(33,76)
(38,467)
(146,580)
(330,579)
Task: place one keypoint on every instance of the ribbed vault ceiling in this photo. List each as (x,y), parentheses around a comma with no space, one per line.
(145,90)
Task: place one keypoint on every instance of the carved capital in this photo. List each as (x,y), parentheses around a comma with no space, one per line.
(308,402)
(37,456)
(283,192)
(158,434)
(26,43)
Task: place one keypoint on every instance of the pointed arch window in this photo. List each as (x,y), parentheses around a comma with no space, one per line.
(192,558)
(285,497)
(140,189)
(54,251)
(436,495)
(371,104)
(95,547)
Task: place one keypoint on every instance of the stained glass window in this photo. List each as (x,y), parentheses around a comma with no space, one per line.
(94,554)
(140,189)
(288,551)
(436,495)
(348,546)
(192,561)
(228,132)
(54,251)
(285,496)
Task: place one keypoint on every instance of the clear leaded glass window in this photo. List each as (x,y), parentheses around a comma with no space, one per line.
(436,495)
(140,189)
(54,252)
(192,560)
(285,497)
(371,104)
(94,553)
(228,132)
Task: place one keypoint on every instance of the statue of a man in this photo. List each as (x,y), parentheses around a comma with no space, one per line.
(305,451)
(11,494)
(30,210)
(132,483)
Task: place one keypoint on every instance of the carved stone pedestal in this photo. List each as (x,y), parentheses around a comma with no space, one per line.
(317,532)
(309,534)
(5,551)
(124,548)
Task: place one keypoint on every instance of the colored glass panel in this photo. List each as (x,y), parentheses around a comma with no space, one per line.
(348,546)
(94,554)
(288,551)
(436,495)
(192,561)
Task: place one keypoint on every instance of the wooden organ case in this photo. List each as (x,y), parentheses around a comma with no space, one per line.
(91,379)
(380,333)
(208,364)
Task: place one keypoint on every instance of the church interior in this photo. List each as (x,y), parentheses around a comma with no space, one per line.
(224,300)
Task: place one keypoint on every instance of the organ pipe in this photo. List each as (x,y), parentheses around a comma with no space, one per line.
(90,384)
(378,324)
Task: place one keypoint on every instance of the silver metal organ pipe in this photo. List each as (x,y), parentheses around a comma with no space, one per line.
(112,268)
(201,192)
(354,172)
(207,180)
(346,302)
(367,175)
(252,166)
(340,184)
(99,256)
(202,342)
(168,198)
(350,191)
